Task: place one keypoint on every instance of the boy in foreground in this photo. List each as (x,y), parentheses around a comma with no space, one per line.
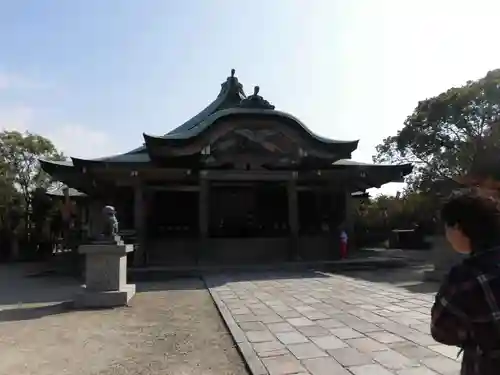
(466,312)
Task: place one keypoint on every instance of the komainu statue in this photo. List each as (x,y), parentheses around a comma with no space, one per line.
(110,223)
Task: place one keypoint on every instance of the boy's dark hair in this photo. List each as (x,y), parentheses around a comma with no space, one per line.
(477,214)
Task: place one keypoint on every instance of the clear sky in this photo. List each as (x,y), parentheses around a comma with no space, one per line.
(93,75)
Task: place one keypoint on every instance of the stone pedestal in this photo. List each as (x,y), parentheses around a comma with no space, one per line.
(443,257)
(105,275)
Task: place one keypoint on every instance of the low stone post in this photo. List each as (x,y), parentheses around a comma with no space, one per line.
(106,269)
(293,218)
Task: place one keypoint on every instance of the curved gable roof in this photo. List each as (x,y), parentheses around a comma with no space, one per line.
(231,101)
(202,126)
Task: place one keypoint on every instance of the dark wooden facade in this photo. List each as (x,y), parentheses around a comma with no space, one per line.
(240,182)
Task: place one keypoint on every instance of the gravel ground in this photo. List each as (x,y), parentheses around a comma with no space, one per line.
(171,328)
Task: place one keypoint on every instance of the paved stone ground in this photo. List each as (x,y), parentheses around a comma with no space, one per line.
(367,323)
(171,328)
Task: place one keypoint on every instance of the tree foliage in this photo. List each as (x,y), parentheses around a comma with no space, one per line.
(400,212)
(447,135)
(23,203)
(377,219)
(19,162)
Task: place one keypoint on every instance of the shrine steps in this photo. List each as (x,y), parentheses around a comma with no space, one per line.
(184,252)
(153,273)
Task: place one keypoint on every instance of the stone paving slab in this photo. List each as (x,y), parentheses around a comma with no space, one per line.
(316,323)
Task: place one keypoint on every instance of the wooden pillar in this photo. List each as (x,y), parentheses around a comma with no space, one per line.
(319,201)
(93,218)
(349,217)
(66,218)
(332,205)
(293,217)
(139,225)
(203,214)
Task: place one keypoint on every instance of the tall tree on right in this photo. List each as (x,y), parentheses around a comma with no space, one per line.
(452,135)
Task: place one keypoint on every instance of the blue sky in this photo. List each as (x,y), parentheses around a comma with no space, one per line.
(93,75)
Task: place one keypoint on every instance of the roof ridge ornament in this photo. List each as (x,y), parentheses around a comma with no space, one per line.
(232,84)
(256,101)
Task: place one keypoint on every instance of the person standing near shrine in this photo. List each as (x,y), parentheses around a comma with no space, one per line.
(344,238)
(466,311)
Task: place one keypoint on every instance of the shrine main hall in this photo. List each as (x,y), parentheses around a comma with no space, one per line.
(240,182)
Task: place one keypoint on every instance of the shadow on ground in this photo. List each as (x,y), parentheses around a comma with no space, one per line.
(410,278)
(29,313)
(179,284)
(17,288)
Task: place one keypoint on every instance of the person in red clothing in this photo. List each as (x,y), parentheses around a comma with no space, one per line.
(343,243)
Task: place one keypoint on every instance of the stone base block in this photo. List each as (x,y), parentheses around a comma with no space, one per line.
(102,299)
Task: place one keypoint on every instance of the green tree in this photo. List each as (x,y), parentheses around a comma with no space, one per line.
(7,194)
(402,211)
(447,136)
(19,161)
(22,187)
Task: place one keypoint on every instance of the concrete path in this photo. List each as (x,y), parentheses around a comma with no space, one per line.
(368,323)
